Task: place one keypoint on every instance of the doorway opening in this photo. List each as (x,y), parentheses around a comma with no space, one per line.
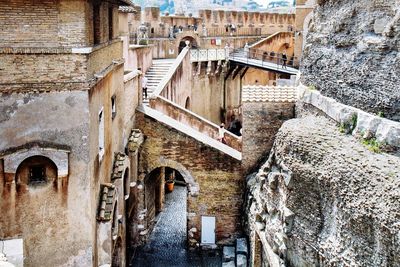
(182,43)
(167,220)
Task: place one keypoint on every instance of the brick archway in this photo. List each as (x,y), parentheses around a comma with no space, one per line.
(191,37)
(193,186)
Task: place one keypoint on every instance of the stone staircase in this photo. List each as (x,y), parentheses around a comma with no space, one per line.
(155,74)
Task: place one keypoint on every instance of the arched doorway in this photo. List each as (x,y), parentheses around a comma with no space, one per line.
(169,212)
(187,103)
(182,43)
(36,170)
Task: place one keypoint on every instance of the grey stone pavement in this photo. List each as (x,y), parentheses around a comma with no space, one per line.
(167,246)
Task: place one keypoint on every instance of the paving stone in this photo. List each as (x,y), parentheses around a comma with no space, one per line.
(241,246)
(167,243)
(241,260)
(229,264)
(228,253)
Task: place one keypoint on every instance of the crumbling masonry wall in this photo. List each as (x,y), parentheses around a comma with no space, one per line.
(324,199)
(351,54)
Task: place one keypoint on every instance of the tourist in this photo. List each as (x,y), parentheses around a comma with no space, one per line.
(284,59)
(247,49)
(235,126)
(144,86)
(233,28)
(221,133)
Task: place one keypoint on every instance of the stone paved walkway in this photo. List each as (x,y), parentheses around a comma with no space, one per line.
(167,243)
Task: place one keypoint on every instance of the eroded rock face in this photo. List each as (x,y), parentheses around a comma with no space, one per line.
(323,198)
(352,54)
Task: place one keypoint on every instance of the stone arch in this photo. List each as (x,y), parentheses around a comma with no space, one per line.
(59,156)
(36,169)
(192,38)
(284,47)
(193,187)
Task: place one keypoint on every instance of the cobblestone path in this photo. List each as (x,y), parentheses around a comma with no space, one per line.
(167,245)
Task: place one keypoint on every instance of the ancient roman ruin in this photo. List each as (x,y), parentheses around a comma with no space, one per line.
(224,138)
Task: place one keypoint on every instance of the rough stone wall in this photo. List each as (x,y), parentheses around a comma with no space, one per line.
(351,54)
(218,177)
(324,199)
(261,122)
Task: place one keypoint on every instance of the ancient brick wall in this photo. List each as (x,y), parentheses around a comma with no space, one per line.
(54,23)
(38,27)
(261,122)
(54,69)
(48,23)
(42,68)
(218,176)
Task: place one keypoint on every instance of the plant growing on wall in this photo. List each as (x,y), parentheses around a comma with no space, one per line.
(143,42)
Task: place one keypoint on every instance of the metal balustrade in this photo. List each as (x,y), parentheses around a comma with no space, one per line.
(265,57)
(210,32)
(198,55)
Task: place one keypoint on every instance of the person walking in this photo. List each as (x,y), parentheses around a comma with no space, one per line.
(144,86)
(221,133)
(284,59)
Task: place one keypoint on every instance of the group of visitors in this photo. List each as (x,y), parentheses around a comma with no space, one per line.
(230,27)
(178,29)
(235,127)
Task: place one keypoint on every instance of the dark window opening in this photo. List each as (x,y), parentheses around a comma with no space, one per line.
(113,107)
(110,23)
(96,24)
(37,174)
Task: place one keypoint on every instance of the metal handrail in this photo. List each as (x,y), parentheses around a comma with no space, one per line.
(210,32)
(265,57)
(223,31)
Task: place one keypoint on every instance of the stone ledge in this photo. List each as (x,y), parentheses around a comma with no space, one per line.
(384,130)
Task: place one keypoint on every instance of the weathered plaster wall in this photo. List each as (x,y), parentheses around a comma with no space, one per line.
(217,185)
(259,77)
(46,216)
(207,94)
(116,134)
(351,54)
(323,198)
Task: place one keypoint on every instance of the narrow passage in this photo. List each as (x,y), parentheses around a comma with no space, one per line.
(167,244)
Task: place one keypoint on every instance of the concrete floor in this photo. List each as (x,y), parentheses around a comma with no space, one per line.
(167,244)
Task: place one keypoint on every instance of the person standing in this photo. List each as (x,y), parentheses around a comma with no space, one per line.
(144,86)
(221,133)
(284,59)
